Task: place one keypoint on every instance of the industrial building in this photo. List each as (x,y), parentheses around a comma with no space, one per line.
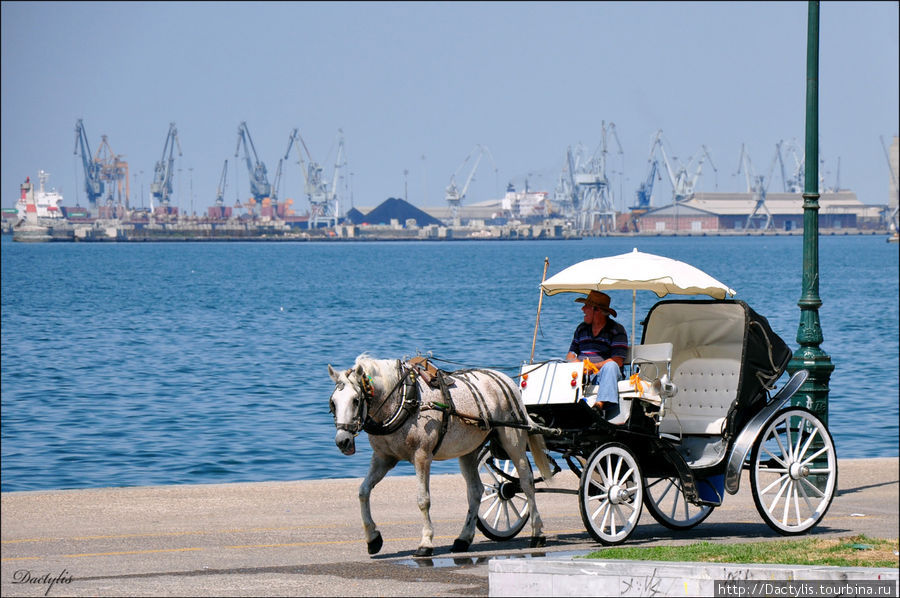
(721,212)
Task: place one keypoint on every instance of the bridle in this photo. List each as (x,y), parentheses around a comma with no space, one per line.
(362,400)
(365,394)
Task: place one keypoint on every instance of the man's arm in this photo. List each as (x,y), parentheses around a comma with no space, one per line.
(617,360)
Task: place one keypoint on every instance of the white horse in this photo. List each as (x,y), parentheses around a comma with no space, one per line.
(409,420)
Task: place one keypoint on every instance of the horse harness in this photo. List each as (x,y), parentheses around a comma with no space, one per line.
(439,379)
(411,401)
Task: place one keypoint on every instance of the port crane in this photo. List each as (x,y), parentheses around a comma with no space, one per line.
(260,188)
(644,193)
(645,189)
(563,194)
(892,216)
(757,185)
(161,187)
(453,194)
(588,183)
(683,183)
(93,184)
(220,190)
(113,170)
(780,159)
(324,202)
(793,183)
(566,194)
(276,183)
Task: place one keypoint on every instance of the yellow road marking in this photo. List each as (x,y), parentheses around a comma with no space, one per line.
(22,558)
(354,541)
(123,552)
(240,546)
(167,534)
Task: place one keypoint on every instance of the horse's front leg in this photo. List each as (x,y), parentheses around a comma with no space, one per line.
(423,473)
(468,465)
(377,470)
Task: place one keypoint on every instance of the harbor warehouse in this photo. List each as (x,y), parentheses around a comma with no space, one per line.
(715,212)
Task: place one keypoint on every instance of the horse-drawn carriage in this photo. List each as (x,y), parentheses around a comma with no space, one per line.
(697,408)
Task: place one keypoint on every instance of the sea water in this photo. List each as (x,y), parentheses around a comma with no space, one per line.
(181,363)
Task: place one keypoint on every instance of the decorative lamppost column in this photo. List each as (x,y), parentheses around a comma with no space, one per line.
(814,392)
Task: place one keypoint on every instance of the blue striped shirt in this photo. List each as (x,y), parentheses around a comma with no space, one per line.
(612,341)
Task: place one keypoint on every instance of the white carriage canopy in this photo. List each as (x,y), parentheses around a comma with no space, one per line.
(636,271)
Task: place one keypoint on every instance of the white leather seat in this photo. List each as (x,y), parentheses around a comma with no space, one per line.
(707,343)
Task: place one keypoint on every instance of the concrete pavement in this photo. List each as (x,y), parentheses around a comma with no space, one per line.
(305,538)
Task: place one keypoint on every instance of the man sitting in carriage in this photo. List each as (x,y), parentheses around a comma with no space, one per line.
(604,343)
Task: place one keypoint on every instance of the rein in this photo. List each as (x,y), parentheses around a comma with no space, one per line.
(410,402)
(466,367)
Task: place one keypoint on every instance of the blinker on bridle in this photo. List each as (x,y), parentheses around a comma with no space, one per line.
(367,392)
(409,402)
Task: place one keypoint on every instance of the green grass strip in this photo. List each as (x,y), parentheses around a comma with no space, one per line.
(855,551)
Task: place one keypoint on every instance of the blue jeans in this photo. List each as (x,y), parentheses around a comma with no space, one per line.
(608,384)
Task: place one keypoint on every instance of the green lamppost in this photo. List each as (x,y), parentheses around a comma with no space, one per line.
(814,392)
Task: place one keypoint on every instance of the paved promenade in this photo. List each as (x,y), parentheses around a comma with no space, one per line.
(305,538)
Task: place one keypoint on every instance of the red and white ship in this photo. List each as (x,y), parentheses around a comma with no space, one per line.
(45,204)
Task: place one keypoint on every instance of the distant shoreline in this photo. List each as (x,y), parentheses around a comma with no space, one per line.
(68,235)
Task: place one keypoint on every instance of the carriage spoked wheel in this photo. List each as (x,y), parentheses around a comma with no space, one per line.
(793,471)
(610,494)
(664,498)
(503,510)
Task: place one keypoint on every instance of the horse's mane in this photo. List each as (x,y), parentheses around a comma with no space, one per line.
(379,369)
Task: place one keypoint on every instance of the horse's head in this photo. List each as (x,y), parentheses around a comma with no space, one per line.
(349,405)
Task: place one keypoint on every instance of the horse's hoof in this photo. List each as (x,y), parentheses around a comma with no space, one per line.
(538,541)
(461,546)
(422,551)
(375,544)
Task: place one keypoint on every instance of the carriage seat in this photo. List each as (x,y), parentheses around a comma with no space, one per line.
(706,388)
(651,362)
(707,344)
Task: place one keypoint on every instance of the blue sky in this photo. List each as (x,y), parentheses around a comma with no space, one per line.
(416,86)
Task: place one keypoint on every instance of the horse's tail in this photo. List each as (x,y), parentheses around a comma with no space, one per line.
(535,438)
(539,454)
(534,431)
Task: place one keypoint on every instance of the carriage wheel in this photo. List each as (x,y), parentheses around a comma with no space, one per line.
(504,507)
(664,498)
(793,471)
(610,494)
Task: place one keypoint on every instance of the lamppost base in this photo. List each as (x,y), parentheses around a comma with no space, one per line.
(814,393)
